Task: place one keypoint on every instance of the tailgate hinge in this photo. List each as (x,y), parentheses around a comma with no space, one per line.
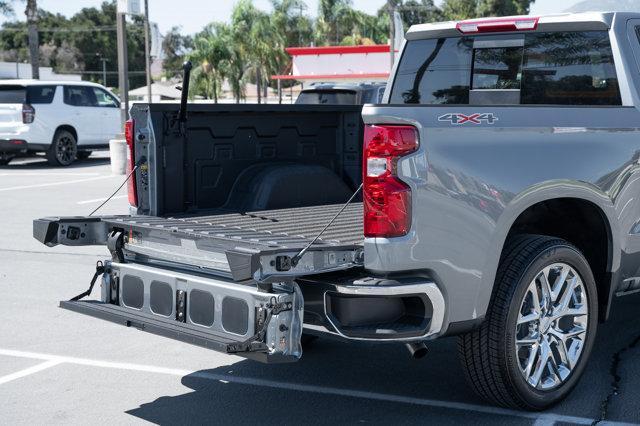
(256,342)
(115,242)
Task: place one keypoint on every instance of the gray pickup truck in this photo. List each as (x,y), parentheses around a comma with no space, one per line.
(493,195)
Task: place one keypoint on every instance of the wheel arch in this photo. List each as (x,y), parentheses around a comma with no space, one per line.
(530,213)
(68,128)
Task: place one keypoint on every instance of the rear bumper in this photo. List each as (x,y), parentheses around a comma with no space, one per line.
(13,146)
(370,309)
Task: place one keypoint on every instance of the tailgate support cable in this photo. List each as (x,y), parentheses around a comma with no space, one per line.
(99,271)
(295,259)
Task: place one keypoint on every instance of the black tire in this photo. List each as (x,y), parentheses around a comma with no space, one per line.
(83,155)
(489,356)
(63,149)
(5,160)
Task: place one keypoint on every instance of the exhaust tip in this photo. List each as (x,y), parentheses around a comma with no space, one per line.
(417,350)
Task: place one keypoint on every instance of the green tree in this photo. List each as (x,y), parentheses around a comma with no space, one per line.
(415,12)
(455,10)
(212,55)
(175,46)
(330,16)
(262,46)
(288,19)
(504,7)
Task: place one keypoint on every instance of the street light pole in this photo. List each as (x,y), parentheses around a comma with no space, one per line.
(147,55)
(104,70)
(392,31)
(123,66)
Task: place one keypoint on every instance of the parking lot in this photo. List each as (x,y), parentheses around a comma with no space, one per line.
(59,367)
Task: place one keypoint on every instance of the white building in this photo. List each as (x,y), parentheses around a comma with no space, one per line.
(17,70)
(339,64)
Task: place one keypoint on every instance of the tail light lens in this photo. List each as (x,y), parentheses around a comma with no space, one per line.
(28,114)
(387,200)
(129,130)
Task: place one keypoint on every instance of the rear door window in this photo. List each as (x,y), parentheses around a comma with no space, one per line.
(11,94)
(40,94)
(569,69)
(80,96)
(105,99)
(559,68)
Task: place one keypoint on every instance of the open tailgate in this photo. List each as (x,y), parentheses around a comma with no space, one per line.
(237,296)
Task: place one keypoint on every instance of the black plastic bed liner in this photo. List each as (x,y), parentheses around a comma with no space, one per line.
(293,227)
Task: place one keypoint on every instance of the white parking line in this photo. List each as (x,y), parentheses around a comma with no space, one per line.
(29,371)
(543,418)
(67,182)
(32,174)
(99,200)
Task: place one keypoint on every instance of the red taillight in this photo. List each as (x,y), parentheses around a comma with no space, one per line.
(129,129)
(474,26)
(387,200)
(28,114)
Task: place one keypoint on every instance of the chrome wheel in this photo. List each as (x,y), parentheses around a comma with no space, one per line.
(552,326)
(65,149)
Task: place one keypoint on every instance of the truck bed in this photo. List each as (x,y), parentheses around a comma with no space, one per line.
(282,228)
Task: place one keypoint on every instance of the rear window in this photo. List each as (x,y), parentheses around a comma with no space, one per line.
(373,95)
(434,72)
(568,68)
(12,94)
(40,94)
(331,97)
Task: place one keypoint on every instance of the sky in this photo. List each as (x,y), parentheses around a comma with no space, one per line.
(192,15)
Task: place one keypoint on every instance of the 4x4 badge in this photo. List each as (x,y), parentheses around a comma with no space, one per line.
(478,118)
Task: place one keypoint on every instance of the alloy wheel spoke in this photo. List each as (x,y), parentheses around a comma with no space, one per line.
(551,326)
(541,365)
(544,285)
(557,286)
(531,359)
(532,316)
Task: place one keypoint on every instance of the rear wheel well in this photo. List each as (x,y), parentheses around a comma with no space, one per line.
(581,223)
(69,129)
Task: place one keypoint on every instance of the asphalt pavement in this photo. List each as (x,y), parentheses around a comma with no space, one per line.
(57,367)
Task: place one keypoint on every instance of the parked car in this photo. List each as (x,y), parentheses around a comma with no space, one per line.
(500,203)
(64,119)
(342,94)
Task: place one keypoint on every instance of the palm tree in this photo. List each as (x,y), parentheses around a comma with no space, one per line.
(258,41)
(212,57)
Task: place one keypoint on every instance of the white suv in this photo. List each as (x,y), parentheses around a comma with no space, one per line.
(66,120)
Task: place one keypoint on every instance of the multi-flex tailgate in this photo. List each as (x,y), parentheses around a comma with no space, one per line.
(243,253)
(212,313)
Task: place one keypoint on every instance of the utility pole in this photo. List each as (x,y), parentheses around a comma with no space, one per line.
(123,65)
(34,48)
(104,71)
(392,31)
(147,55)
(104,68)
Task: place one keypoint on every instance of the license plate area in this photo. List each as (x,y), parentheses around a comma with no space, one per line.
(180,305)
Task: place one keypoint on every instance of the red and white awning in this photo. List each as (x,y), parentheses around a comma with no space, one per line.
(339,64)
